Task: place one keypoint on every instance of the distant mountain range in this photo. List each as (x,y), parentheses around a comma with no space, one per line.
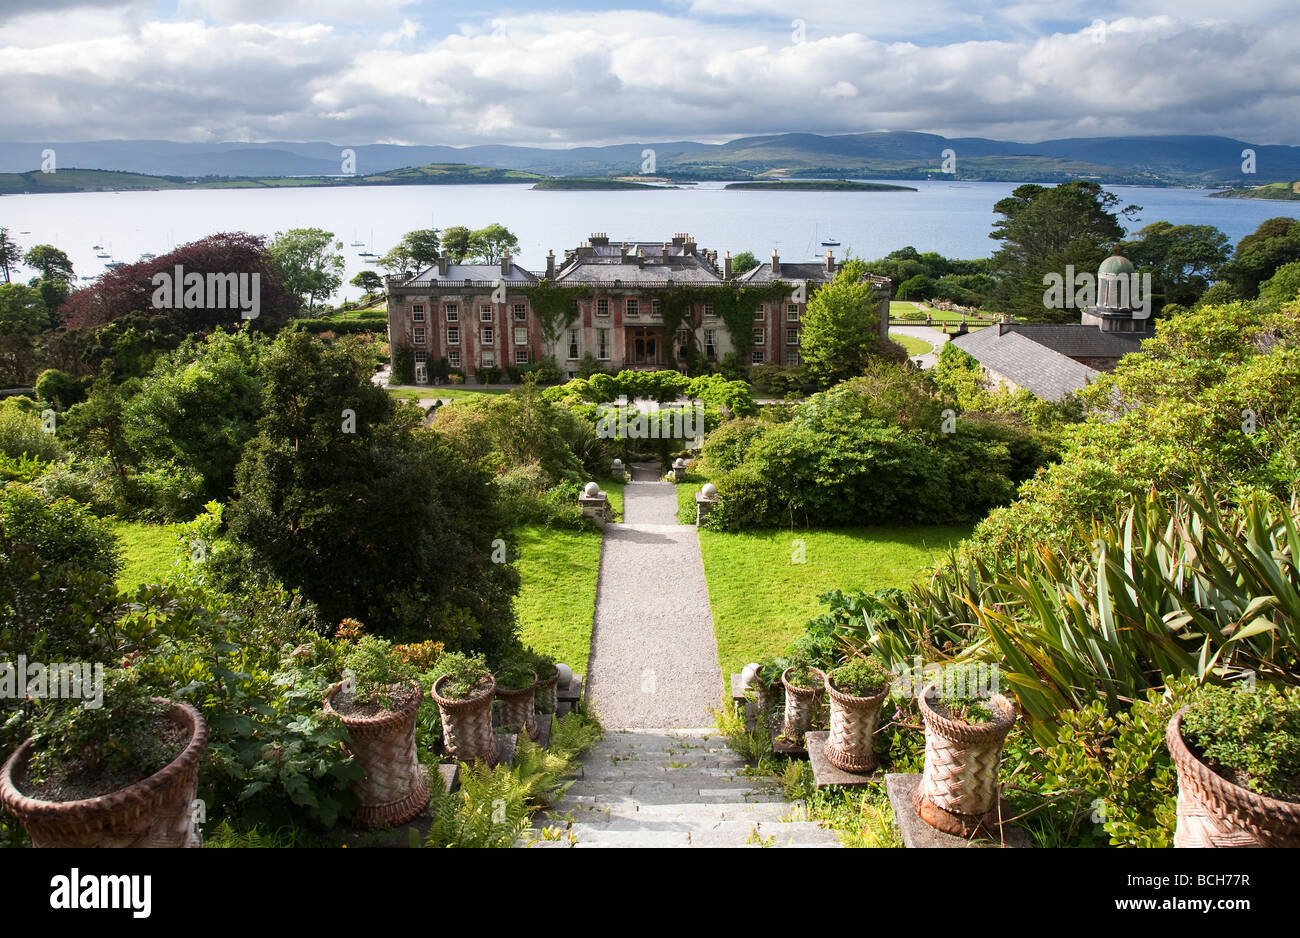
(1164,160)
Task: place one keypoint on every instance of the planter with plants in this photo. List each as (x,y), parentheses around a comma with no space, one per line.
(803,692)
(516,689)
(1238,758)
(124,774)
(964,733)
(377,702)
(463,691)
(856,690)
(547,676)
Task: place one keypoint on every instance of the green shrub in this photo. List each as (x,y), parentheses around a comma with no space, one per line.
(467,675)
(377,671)
(861,677)
(76,744)
(1250,736)
(22,434)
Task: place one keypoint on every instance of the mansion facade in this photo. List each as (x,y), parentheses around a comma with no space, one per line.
(478,316)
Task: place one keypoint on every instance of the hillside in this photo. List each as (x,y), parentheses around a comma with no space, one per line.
(598,183)
(1153,160)
(102,180)
(821,185)
(1281,191)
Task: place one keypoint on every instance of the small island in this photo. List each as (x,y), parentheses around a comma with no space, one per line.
(593,183)
(821,185)
(1280,191)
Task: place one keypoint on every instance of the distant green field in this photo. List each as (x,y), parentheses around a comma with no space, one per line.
(148,552)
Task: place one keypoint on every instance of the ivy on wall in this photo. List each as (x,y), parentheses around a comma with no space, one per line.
(554,306)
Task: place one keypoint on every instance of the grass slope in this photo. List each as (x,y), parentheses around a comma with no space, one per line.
(762,598)
(557,599)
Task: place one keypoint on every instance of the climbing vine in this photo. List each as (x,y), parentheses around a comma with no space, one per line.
(555,306)
(734,306)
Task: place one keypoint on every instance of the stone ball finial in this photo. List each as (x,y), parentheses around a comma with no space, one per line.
(679,463)
(709,490)
(591,490)
(563,675)
(618,463)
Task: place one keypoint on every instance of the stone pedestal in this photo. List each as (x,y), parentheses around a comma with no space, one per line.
(703,505)
(617,471)
(917,833)
(826,775)
(596,507)
(679,470)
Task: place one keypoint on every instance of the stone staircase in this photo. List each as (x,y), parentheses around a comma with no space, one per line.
(675,788)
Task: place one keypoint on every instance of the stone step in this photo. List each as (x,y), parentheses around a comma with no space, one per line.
(654,794)
(629,814)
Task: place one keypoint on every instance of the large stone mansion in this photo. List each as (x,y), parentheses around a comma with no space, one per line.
(479,315)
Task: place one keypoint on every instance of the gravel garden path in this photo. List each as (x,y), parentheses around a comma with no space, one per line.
(654,660)
(662,776)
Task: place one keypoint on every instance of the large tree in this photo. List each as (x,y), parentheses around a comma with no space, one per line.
(841,327)
(457,243)
(341,495)
(310,262)
(19,303)
(415,251)
(10,254)
(490,243)
(1181,258)
(50,262)
(1258,256)
(125,290)
(1043,229)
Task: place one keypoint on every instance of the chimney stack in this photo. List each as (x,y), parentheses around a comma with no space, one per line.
(776,264)
(506,263)
(726,266)
(550,265)
(442,265)
(830,262)
(622,253)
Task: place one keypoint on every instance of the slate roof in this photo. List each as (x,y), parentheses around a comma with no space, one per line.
(1046,373)
(814,271)
(1076,340)
(478,273)
(678,267)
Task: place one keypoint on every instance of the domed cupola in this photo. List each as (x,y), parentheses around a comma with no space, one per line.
(1115,283)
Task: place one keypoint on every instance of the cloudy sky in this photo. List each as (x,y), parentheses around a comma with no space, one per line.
(564,72)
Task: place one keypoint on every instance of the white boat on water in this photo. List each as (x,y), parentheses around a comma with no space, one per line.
(148,257)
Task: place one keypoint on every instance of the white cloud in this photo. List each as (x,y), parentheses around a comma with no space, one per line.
(607,76)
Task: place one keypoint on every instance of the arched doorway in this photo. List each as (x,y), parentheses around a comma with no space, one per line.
(646,346)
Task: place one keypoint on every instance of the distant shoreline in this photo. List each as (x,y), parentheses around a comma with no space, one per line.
(820,185)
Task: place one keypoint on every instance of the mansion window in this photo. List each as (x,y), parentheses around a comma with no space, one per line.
(453,312)
(633,307)
(760,336)
(521,312)
(418,335)
(453,358)
(655,307)
(756,357)
(792,312)
(792,357)
(709,311)
(485,313)
(573,345)
(453,335)
(792,337)
(417,312)
(602,307)
(760,312)
(602,344)
(421,356)
(521,356)
(711,343)
(521,336)
(486,335)
(489,358)
(684,337)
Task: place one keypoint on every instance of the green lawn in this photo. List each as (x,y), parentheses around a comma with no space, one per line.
(442,390)
(914,346)
(148,552)
(557,599)
(762,598)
